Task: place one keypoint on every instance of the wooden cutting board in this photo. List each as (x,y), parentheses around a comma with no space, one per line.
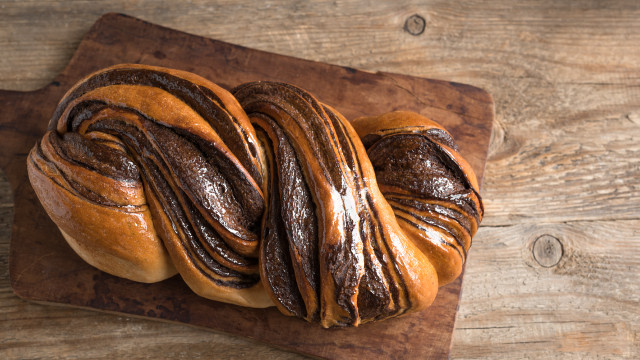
(43,268)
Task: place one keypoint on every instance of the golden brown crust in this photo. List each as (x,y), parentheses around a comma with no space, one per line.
(102,235)
(260,197)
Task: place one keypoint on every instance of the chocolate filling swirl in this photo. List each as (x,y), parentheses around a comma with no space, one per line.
(257,197)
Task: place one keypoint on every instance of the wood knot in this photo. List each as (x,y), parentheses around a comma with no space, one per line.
(415,25)
(547,250)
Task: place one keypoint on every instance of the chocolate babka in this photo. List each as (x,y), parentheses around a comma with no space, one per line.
(260,196)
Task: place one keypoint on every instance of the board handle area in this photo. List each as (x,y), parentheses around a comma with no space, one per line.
(23,120)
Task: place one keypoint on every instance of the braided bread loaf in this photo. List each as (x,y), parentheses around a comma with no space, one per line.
(259,197)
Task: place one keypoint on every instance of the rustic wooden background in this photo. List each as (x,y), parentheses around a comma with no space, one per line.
(554,271)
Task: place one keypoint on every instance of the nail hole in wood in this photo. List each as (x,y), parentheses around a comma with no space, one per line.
(547,251)
(415,25)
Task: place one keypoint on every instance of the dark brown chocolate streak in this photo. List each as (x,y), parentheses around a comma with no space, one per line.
(80,190)
(461,197)
(347,280)
(101,159)
(436,135)
(370,139)
(297,211)
(216,246)
(467,207)
(373,280)
(438,224)
(204,101)
(463,254)
(479,211)
(258,98)
(250,198)
(327,117)
(374,297)
(247,195)
(393,286)
(83,111)
(460,217)
(141,148)
(441,136)
(450,163)
(254,96)
(275,258)
(203,181)
(194,249)
(218,163)
(89,194)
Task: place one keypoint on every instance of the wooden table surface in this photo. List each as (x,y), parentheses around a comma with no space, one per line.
(554,271)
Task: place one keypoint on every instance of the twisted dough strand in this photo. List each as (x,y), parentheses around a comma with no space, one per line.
(261,197)
(431,188)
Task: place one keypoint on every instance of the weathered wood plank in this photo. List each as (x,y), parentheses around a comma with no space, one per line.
(587,305)
(32,331)
(585,42)
(585,169)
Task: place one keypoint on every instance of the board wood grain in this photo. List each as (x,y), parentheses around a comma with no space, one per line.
(44,269)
